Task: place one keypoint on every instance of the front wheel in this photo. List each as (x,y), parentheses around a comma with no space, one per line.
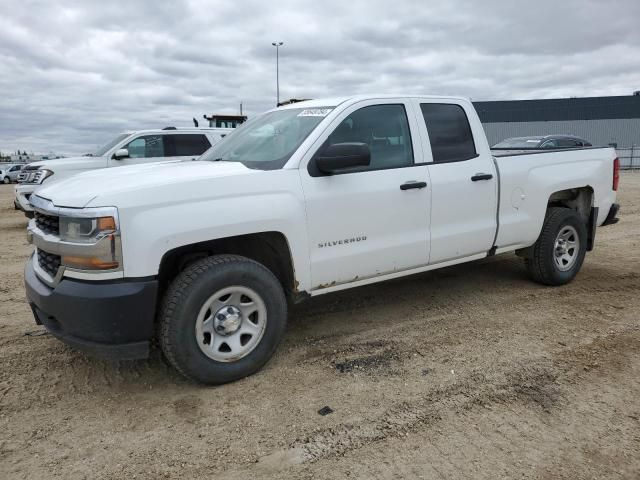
(557,255)
(222,319)
(6,180)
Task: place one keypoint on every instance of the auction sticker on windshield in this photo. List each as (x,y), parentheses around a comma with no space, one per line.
(315,112)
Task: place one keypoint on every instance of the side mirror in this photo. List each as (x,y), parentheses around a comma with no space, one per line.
(340,156)
(121,153)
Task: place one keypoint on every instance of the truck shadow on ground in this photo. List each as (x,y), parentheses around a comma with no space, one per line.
(460,281)
(361,314)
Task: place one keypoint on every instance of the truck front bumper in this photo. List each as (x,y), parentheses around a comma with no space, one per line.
(21,202)
(111,320)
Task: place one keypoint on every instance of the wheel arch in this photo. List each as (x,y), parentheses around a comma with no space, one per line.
(581,200)
(270,249)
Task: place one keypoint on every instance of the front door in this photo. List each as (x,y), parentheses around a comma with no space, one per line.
(373,220)
(144,149)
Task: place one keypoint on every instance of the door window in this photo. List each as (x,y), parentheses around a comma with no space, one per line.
(568,143)
(190,144)
(550,144)
(384,128)
(449,132)
(146,147)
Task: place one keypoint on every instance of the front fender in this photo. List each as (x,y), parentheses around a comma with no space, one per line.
(151,230)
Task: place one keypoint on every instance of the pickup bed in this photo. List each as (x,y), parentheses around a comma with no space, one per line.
(303,200)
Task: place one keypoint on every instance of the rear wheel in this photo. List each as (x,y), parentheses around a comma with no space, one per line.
(222,319)
(557,255)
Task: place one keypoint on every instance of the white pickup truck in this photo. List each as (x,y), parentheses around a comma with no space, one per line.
(128,148)
(204,256)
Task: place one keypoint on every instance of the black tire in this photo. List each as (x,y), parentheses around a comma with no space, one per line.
(188,293)
(541,263)
(6,180)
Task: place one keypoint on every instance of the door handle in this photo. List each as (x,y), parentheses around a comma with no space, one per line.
(481,176)
(410,185)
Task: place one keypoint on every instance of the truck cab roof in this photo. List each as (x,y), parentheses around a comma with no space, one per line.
(170,130)
(335,101)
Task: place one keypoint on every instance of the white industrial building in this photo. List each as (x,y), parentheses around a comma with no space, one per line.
(24,157)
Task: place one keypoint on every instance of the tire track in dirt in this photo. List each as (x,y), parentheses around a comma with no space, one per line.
(533,386)
(505,435)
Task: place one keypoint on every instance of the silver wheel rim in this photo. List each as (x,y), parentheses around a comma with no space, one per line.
(231,323)
(566,248)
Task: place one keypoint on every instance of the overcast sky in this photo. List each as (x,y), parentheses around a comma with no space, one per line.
(75,73)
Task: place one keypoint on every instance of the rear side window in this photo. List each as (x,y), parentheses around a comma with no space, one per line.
(449,132)
(189,144)
(568,143)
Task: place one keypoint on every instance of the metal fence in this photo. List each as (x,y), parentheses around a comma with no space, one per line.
(629,157)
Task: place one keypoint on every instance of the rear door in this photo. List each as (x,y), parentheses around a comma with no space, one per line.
(464,183)
(373,220)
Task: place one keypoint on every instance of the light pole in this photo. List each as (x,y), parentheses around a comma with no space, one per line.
(277,45)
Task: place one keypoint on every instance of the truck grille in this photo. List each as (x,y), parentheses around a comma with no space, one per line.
(48,223)
(49,262)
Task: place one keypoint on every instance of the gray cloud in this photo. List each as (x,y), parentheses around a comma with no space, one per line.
(74,73)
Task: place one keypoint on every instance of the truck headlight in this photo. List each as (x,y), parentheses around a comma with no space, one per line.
(86,230)
(37,176)
(97,240)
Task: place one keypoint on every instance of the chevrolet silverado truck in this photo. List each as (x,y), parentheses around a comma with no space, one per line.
(204,257)
(128,148)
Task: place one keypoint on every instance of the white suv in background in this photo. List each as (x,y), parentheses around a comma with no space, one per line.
(129,148)
(9,172)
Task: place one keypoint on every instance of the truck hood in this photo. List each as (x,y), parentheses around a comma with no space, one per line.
(118,186)
(71,163)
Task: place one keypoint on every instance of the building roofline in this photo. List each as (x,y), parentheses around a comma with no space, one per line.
(559,109)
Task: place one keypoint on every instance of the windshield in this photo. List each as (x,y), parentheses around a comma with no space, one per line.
(518,143)
(105,148)
(268,141)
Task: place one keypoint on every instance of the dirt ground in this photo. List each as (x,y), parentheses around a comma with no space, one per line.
(468,372)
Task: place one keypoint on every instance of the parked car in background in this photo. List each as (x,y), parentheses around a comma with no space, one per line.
(547,142)
(9,173)
(306,199)
(129,148)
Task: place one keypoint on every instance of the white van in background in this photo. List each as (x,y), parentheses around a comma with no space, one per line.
(128,148)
